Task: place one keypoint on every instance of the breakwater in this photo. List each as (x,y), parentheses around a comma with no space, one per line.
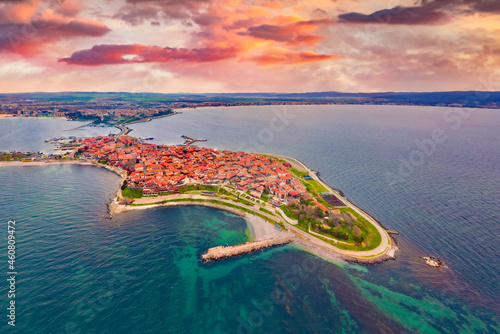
(223,252)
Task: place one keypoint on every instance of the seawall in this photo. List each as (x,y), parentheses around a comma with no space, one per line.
(223,252)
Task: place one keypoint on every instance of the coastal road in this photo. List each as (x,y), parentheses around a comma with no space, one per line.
(385,244)
(373,254)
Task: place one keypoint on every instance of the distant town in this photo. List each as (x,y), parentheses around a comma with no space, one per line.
(112,112)
(123,108)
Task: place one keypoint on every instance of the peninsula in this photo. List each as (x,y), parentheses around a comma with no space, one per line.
(279,190)
(282,199)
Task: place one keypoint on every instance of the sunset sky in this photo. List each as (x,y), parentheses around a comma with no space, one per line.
(212,46)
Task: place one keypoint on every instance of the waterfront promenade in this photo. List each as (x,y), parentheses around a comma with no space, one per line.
(264,229)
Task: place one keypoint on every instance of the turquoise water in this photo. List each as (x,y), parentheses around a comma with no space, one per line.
(140,272)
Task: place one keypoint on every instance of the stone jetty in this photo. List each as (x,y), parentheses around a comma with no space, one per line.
(223,252)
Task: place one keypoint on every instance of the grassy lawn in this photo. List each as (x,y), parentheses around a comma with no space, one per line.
(225,192)
(346,247)
(12,156)
(314,186)
(323,201)
(297,173)
(186,189)
(275,158)
(372,236)
(288,213)
(241,200)
(131,193)
(267,211)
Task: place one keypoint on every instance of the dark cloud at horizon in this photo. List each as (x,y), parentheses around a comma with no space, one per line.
(398,15)
(425,12)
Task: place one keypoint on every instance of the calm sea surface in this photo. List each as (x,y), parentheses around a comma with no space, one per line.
(29,134)
(429,173)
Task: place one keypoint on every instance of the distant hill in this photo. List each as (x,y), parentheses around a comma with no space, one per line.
(458,98)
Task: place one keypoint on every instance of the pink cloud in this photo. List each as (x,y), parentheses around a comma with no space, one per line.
(292,34)
(138,53)
(26,29)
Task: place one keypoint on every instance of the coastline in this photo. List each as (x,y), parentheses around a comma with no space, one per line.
(283,104)
(174,112)
(121,173)
(261,228)
(304,240)
(391,245)
(264,230)
(33,117)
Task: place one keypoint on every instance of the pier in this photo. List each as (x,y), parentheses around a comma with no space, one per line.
(223,252)
(188,140)
(80,127)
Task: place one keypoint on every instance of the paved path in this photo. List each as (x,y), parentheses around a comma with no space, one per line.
(385,243)
(380,250)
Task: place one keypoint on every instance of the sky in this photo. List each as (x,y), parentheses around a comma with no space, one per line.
(214,46)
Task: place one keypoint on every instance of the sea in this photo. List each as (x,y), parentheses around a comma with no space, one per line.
(429,173)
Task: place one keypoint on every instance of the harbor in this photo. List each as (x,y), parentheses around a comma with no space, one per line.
(188,140)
